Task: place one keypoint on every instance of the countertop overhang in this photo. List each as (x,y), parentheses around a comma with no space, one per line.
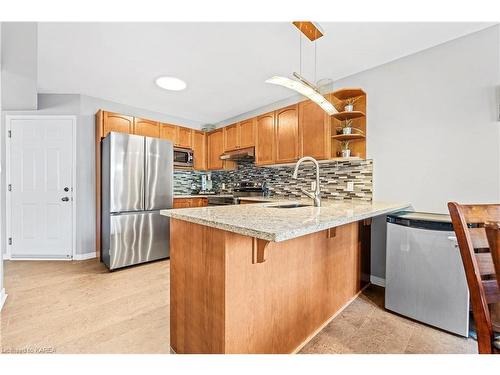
(264,221)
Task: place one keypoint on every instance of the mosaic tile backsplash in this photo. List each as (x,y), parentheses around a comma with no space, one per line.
(334,177)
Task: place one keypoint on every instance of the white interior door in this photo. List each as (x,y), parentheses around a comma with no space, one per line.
(41,191)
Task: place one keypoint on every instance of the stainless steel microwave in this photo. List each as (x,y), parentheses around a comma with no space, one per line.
(183,157)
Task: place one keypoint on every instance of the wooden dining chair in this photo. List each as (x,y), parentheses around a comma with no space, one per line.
(469,226)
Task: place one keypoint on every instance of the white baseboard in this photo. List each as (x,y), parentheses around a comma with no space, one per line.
(377,281)
(85,256)
(3,297)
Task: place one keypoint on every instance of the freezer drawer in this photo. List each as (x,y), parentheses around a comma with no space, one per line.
(136,238)
(425,279)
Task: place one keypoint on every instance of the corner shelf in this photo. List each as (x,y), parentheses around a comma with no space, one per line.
(348,115)
(348,137)
(348,93)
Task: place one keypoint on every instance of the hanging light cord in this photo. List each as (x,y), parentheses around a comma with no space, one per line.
(300,53)
(315,82)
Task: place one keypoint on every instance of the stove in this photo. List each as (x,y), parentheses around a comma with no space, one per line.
(250,189)
(241,190)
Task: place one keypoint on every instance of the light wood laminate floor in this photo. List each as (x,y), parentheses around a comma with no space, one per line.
(80,307)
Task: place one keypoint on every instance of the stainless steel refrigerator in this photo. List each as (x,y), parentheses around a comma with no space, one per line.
(137,182)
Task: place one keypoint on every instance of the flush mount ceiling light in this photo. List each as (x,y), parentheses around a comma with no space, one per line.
(171,83)
(300,84)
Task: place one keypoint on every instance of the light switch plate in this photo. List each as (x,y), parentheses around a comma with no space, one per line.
(313,185)
(350,186)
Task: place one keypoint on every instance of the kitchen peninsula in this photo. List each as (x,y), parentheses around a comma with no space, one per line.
(265,277)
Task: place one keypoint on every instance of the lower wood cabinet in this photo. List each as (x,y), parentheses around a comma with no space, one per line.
(190,202)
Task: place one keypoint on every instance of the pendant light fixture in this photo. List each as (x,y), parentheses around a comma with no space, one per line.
(299,83)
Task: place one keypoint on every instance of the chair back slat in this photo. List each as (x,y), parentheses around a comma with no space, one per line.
(478,237)
(480,213)
(491,291)
(485,263)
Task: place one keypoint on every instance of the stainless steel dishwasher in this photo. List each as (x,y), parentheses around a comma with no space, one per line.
(425,278)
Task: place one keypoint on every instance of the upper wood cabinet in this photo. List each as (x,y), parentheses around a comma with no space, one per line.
(265,139)
(240,135)
(169,131)
(287,134)
(215,148)
(184,137)
(314,129)
(246,133)
(147,128)
(230,133)
(114,122)
(200,150)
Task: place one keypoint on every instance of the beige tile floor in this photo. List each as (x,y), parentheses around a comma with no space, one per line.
(366,327)
(80,307)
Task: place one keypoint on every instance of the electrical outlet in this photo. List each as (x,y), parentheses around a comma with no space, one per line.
(350,186)
(313,185)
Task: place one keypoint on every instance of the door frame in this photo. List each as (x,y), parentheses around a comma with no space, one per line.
(8,213)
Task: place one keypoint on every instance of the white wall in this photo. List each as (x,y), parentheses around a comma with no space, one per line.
(84,107)
(2,289)
(19,65)
(433,129)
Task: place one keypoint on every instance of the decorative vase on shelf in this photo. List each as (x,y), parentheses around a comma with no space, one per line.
(346,153)
(347,130)
(349,107)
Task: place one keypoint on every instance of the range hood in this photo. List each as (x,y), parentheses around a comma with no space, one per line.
(241,154)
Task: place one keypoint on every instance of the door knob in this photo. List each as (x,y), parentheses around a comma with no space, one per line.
(65,199)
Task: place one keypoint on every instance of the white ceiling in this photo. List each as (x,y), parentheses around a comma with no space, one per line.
(224,64)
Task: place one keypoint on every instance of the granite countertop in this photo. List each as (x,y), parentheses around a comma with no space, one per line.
(263,221)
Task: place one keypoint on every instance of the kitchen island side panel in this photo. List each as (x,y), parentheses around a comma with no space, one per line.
(223,301)
(275,306)
(196,288)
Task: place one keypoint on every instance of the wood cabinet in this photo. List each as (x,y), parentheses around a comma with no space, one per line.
(230,133)
(169,132)
(265,139)
(247,133)
(200,150)
(240,135)
(215,148)
(287,134)
(190,202)
(184,137)
(147,128)
(114,122)
(314,130)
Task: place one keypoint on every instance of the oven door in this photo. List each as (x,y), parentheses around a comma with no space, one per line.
(183,157)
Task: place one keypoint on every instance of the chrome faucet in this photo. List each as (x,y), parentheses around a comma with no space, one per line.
(314,195)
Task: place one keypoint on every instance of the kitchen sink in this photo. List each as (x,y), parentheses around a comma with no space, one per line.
(291,205)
